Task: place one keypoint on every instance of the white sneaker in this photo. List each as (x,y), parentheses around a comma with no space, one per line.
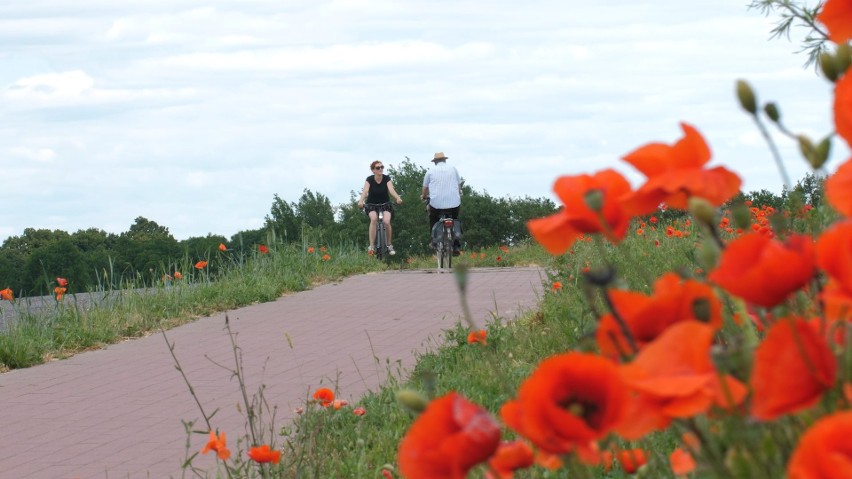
(371,250)
(390,250)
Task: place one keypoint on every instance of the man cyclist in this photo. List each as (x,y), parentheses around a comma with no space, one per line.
(442,186)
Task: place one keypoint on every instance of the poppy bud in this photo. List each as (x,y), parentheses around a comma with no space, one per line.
(843,58)
(702,210)
(806,146)
(821,153)
(600,275)
(746,96)
(828,66)
(594,200)
(412,400)
(771,110)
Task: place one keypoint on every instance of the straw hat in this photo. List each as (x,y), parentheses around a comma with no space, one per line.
(439,156)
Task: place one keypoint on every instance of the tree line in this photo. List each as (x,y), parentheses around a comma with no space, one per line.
(96,259)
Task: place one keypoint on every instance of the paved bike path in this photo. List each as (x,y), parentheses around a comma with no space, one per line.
(116,412)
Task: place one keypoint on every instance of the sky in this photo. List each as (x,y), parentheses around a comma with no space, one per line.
(195,113)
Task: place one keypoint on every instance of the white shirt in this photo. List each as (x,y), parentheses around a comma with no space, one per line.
(443,183)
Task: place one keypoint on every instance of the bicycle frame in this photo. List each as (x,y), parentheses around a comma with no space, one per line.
(381,244)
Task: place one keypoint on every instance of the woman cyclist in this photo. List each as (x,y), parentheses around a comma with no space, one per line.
(378,188)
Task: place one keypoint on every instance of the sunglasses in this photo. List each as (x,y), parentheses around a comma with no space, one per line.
(379,168)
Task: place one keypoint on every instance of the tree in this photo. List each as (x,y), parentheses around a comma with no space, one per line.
(60,258)
(316,217)
(146,248)
(282,221)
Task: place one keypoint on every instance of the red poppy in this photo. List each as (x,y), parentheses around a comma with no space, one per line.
(676,172)
(843,108)
(559,231)
(178,275)
(222,247)
(326,257)
(217,444)
(674,377)
(263,249)
(60,292)
(7,294)
(510,457)
(632,459)
(201,265)
(450,437)
(673,300)
(793,367)
(556,286)
(568,402)
(62,281)
(325,396)
(263,454)
(763,270)
(836,15)
(311,249)
(681,462)
(824,450)
(477,337)
(838,189)
(504,248)
(359,411)
(834,254)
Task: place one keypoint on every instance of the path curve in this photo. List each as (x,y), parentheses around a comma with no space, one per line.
(116,412)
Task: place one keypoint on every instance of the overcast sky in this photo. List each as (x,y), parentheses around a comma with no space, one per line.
(194,113)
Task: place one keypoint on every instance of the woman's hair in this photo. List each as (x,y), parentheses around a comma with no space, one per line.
(373,164)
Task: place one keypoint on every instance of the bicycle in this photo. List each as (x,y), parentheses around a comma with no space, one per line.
(444,237)
(381,245)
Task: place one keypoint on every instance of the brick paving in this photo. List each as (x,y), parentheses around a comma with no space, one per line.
(117,412)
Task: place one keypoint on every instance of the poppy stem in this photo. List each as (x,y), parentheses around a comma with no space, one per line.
(773,148)
(625,330)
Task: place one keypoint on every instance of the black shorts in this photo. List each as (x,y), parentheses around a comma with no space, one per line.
(385,207)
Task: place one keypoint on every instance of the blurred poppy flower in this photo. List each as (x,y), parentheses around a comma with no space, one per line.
(263,249)
(311,249)
(201,265)
(322,249)
(843,108)
(7,294)
(477,337)
(587,200)
(359,411)
(836,15)
(569,401)
(325,396)
(674,377)
(834,254)
(676,172)
(60,292)
(264,454)
(673,300)
(217,444)
(62,281)
(824,449)
(556,286)
(838,188)
(793,367)
(510,457)
(450,437)
(178,275)
(504,248)
(326,257)
(499,259)
(764,270)
(681,462)
(222,247)
(339,403)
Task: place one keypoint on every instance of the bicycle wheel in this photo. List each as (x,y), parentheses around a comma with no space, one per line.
(381,241)
(439,253)
(448,247)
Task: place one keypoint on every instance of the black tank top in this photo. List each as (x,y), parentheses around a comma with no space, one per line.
(378,192)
